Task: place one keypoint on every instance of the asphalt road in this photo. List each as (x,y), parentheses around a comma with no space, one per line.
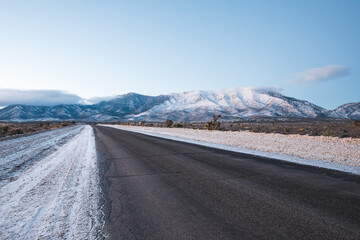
(163,189)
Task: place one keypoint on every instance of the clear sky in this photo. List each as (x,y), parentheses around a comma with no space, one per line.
(310,49)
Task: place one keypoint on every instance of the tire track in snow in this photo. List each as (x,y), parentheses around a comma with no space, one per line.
(57,197)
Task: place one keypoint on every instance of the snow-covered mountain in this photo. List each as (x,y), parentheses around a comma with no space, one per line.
(350,110)
(232,104)
(115,109)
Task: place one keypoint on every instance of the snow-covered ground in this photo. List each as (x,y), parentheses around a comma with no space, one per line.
(329,152)
(49,187)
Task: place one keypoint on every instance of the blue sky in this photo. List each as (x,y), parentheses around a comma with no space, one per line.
(310,49)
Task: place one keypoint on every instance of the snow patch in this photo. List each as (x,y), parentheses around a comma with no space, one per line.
(57,197)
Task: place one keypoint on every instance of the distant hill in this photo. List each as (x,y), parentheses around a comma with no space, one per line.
(232,104)
(350,110)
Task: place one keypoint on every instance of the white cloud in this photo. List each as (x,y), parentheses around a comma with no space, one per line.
(321,74)
(271,89)
(37,97)
(94,100)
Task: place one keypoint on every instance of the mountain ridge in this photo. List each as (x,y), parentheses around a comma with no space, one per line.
(232,103)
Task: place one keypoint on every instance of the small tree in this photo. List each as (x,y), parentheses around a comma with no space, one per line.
(357,123)
(168,123)
(213,124)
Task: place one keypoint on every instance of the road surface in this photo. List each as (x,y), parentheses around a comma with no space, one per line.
(162,189)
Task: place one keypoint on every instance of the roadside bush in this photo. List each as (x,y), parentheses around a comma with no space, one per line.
(31,130)
(17,131)
(178,125)
(357,123)
(168,123)
(5,129)
(345,134)
(213,124)
(287,130)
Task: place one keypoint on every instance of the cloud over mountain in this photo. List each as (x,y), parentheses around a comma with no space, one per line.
(321,74)
(37,97)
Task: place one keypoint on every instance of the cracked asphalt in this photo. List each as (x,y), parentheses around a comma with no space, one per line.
(162,189)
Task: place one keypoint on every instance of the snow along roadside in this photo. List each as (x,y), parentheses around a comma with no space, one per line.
(57,197)
(18,154)
(326,152)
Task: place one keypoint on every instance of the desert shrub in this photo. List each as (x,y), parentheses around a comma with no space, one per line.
(314,132)
(345,134)
(5,129)
(287,130)
(64,124)
(257,128)
(73,122)
(17,131)
(357,123)
(178,125)
(142,123)
(168,123)
(213,124)
(327,133)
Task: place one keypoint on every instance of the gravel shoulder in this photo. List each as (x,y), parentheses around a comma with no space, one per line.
(330,152)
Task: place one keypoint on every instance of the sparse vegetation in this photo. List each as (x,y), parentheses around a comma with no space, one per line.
(17,131)
(357,123)
(178,125)
(312,127)
(8,129)
(213,124)
(5,129)
(168,123)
